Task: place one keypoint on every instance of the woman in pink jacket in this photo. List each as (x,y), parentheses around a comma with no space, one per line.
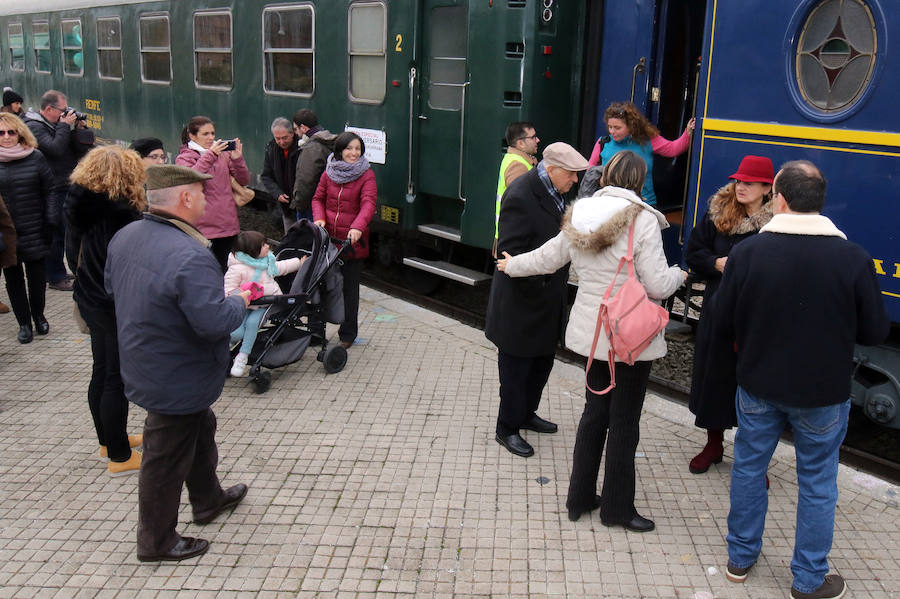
(344,203)
(206,154)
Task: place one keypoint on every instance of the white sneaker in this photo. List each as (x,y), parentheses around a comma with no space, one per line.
(240,363)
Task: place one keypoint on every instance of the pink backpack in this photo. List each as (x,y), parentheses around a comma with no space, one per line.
(630,318)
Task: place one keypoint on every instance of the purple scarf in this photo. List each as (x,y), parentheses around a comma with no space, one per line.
(343,172)
(15,153)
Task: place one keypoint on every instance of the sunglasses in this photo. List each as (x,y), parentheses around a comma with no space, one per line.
(10,132)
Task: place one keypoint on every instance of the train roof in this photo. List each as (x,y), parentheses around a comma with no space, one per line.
(21,7)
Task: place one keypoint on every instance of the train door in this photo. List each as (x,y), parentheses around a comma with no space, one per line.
(649,55)
(443,97)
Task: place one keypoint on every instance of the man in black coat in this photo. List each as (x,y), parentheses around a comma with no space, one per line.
(794,300)
(280,168)
(526,317)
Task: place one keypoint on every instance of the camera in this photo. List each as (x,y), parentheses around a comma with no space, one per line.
(230,146)
(79,116)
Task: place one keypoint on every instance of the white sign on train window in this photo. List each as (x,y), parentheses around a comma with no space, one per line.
(375,141)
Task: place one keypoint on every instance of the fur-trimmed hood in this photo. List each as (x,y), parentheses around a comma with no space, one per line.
(594,223)
(745,225)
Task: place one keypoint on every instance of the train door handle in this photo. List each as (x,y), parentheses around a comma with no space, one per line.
(638,68)
(422,117)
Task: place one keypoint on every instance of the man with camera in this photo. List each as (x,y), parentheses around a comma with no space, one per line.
(63,138)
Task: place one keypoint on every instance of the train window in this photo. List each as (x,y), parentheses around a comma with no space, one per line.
(109,48)
(156,52)
(367,29)
(16,47)
(288,50)
(447,62)
(40,32)
(72,47)
(836,54)
(212,50)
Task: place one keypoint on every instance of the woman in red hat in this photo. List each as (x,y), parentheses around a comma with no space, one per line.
(736,211)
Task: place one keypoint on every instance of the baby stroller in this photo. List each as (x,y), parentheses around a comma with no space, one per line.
(312,297)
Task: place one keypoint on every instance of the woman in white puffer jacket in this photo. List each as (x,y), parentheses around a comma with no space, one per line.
(594,237)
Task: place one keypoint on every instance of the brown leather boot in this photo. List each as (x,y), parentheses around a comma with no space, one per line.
(4,309)
(711,454)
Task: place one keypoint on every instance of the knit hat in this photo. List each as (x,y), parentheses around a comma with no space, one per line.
(755,169)
(9,96)
(145,145)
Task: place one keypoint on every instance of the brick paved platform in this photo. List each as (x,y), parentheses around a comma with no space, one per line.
(385,481)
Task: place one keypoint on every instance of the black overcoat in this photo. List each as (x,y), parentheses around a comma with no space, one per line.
(714,381)
(25,186)
(526,316)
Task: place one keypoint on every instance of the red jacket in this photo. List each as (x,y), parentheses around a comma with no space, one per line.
(345,207)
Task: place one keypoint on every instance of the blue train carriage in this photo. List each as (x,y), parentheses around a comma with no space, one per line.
(812,80)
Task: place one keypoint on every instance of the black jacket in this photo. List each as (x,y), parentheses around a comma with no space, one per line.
(92,220)
(526,316)
(278,172)
(796,304)
(25,186)
(61,145)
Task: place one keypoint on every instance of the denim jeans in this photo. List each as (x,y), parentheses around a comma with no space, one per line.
(818,433)
(247,330)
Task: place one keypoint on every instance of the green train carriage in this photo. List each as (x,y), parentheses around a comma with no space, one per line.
(432,82)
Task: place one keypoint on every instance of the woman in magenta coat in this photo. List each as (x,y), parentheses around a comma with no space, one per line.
(344,203)
(206,154)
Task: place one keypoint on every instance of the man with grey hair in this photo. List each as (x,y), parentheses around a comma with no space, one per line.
(280,167)
(794,299)
(174,322)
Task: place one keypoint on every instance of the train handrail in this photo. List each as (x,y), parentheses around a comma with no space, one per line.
(412,95)
(638,68)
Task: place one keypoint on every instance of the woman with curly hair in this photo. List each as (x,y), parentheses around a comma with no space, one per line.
(107,193)
(736,212)
(25,180)
(630,130)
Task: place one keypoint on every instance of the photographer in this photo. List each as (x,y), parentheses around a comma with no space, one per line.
(63,138)
(223,159)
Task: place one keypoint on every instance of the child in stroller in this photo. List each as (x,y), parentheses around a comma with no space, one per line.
(251,266)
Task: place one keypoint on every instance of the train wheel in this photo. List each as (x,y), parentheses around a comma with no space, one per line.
(335,359)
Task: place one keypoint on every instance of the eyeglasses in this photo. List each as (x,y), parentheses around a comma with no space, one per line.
(528,137)
(161,157)
(63,109)
(10,132)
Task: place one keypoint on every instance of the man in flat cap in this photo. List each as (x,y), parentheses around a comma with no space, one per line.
(174,322)
(526,316)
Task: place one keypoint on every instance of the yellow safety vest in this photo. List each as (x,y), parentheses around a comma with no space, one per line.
(508,159)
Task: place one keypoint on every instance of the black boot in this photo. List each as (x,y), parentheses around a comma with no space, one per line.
(25,335)
(41,326)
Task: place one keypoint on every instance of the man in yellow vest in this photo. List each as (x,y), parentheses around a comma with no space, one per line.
(520,157)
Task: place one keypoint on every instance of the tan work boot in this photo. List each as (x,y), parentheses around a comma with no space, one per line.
(133,442)
(131,466)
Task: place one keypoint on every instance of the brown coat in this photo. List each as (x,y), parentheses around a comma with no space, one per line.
(7,256)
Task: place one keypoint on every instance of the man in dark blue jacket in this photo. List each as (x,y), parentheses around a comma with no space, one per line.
(174,323)
(794,300)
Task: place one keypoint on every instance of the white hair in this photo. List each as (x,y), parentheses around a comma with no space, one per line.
(281,123)
(165,197)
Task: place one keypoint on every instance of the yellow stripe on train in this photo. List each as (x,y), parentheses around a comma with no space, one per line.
(875,138)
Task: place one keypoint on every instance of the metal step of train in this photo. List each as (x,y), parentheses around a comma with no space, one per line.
(442,231)
(447,270)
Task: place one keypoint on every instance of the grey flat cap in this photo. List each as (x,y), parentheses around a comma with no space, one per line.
(565,156)
(172,175)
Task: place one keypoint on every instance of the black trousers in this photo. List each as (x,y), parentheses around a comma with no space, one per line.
(351,271)
(522,382)
(221,247)
(106,392)
(26,304)
(178,450)
(614,417)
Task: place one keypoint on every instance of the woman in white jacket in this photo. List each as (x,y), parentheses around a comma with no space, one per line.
(594,238)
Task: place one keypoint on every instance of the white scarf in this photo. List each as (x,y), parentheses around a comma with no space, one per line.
(195,146)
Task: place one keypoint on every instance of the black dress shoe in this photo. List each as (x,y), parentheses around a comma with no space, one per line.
(233,496)
(25,335)
(539,425)
(185,548)
(575,514)
(516,444)
(41,326)
(637,524)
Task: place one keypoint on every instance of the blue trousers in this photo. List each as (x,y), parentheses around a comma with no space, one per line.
(818,434)
(247,330)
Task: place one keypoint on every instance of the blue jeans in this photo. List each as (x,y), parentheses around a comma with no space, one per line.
(818,433)
(248,329)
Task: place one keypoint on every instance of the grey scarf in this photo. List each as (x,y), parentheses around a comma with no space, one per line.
(343,172)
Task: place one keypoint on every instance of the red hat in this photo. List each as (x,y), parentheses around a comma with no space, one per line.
(755,169)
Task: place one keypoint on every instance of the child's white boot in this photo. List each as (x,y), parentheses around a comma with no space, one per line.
(240,363)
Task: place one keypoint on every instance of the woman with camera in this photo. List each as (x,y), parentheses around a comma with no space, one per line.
(222,159)
(25,182)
